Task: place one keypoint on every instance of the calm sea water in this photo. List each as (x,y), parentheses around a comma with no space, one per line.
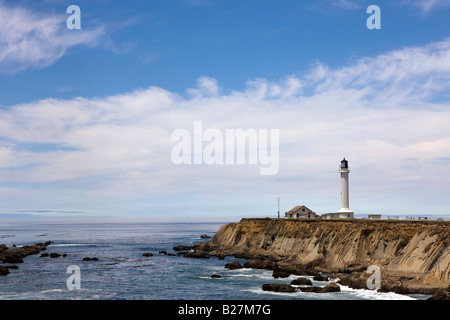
(123,273)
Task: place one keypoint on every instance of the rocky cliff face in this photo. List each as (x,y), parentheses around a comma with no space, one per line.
(410,254)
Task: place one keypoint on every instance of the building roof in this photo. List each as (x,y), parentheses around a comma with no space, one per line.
(297,208)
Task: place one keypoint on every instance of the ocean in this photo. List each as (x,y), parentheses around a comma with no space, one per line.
(123,273)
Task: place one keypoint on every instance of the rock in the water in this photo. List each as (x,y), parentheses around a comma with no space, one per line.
(301,282)
(280,274)
(54,255)
(354,282)
(147,254)
(16,255)
(12,267)
(215,276)
(205,236)
(331,287)
(203,246)
(12,259)
(182,248)
(234,265)
(318,277)
(259,264)
(197,254)
(311,289)
(3,271)
(44,254)
(278,287)
(90,259)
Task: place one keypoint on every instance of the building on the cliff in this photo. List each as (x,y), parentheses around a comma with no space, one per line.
(374,216)
(301,212)
(344,212)
(337,215)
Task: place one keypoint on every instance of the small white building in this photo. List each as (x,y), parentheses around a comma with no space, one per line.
(374,216)
(338,215)
(301,212)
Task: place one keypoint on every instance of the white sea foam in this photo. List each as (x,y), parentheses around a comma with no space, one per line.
(373,294)
(51,290)
(346,293)
(298,294)
(252,273)
(74,245)
(209,277)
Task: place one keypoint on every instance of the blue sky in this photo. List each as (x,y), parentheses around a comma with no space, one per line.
(86,115)
(171,43)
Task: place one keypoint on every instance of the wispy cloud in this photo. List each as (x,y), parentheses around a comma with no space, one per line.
(418,72)
(428,5)
(346,4)
(31,40)
(379,112)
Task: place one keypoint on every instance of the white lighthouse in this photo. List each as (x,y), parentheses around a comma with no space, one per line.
(345,212)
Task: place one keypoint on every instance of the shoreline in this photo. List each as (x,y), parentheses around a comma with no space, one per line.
(273,244)
(413,256)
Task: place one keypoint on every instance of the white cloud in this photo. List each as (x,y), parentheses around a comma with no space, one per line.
(346,4)
(34,40)
(428,5)
(205,86)
(382,113)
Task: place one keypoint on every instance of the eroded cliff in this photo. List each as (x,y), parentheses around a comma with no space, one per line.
(416,254)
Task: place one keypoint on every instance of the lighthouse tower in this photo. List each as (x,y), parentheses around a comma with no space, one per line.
(345,212)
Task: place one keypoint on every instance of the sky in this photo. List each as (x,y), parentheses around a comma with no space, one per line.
(88,116)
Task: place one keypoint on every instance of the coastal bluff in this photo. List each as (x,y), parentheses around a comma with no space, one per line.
(413,256)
